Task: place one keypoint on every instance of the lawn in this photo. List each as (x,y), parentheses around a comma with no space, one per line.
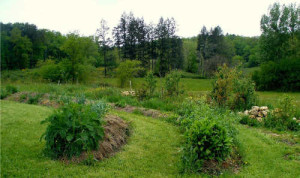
(153,150)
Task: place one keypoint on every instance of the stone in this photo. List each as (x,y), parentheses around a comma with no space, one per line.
(264,108)
(252,117)
(259,119)
(265,113)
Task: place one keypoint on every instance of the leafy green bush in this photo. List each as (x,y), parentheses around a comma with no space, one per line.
(3,94)
(34,98)
(243,94)
(172,83)
(283,75)
(251,122)
(205,140)
(222,86)
(233,90)
(210,134)
(74,128)
(11,89)
(64,71)
(127,70)
(150,83)
(141,92)
(282,118)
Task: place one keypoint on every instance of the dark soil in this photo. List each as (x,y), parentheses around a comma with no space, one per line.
(233,163)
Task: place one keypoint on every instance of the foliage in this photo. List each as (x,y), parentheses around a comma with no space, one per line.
(11,89)
(127,70)
(244,96)
(172,83)
(279,26)
(213,50)
(3,94)
(222,86)
(73,129)
(153,45)
(141,92)
(206,140)
(150,83)
(210,133)
(34,98)
(62,71)
(283,75)
(249,121)
(231,89)
(282,118)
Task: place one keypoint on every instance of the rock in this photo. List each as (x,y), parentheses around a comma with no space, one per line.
(294,118)
(254,112)
(252,117)
(255,108)
(246,112)
(264,108)
(259,119)
(265,113)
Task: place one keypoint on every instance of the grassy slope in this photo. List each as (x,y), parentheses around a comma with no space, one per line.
(153,148)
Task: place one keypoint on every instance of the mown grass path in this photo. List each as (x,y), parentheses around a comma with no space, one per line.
(265,156)
(152,149)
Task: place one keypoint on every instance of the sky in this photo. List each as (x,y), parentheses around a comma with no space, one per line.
(240,17)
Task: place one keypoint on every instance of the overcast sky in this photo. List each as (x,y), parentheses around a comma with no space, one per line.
(241,17)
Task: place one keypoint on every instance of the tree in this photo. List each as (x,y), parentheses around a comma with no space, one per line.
(127,70)
(21,48)
(278,26)
(104,41)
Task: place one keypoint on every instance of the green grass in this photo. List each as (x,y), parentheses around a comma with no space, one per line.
(265,157)
(152,150)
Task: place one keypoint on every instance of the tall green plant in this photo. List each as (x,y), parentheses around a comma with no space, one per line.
(127,70)
(172,83)
(233,90)
(73,129)
(150,83)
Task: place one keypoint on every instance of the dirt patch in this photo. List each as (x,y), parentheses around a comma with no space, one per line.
(233,163)
(34,98)
(146,112)
(116,133)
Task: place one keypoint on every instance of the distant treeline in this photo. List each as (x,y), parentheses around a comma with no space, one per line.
(157,46)
(159,49)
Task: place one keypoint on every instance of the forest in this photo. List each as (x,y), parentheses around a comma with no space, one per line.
(138,100)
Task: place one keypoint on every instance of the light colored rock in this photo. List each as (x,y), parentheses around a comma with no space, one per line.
(265,113)
(294,118)
(253,112)
(255,108)
(259,119)
(264,108)
(246,112)
(252,117)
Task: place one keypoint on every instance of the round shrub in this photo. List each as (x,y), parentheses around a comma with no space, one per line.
(206,140)
(73,129)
